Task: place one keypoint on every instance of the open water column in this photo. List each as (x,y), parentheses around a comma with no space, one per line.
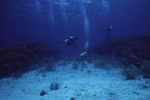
(51,15)
(105,5)
(85,22)
(62,6)
(38,6)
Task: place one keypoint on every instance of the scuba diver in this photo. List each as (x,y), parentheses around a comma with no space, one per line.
(71,41)
(108,30)
(85,53)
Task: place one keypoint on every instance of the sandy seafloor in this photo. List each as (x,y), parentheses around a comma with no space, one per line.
(85,83)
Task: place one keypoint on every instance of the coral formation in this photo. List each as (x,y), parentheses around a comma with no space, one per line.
(103,61)
(75,66)
(72,98)
(132,51)
(18,58)
(42,93)
(130,73)
(128,47)
(146,69)
(54,86)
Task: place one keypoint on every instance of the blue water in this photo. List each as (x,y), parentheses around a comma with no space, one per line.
(52,21)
